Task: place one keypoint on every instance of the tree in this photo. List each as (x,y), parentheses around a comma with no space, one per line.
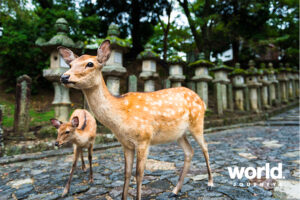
(136,18)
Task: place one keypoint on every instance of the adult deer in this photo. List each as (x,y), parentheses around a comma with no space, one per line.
(138,119)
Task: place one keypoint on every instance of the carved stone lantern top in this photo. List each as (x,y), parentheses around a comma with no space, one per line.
(263,74)
(271,75)
(176,65)
(282,75)
(201,69)
(114,65)
(148,54)
(60,39)
(237,76)
(252,75)
(221,72)
(149,59)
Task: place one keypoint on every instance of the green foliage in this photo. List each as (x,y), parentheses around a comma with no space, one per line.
(35,117)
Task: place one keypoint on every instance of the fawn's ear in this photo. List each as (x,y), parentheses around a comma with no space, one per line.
(67,54)
(103,52)
(56,123)
(75,121)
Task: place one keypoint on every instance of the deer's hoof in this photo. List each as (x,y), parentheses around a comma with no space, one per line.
(83,168)
(91,180)
(65,192)
(172,195)
(209,188)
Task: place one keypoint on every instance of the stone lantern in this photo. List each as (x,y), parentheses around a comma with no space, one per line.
(272,87)
(220,80)
(113,69)
(176,71)
(148,74)
(253,85)
(58,66)
(296,81)
(238,84)
(290,82)
(221,76)
(264,80)
(283,79)
(202,77)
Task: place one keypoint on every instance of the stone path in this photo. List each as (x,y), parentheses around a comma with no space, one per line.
(274,143)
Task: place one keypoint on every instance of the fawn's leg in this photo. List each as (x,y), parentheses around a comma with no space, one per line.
(67,187)
(197,133)
(188,155)
(129,156)
(82,161)
(142,152)
(90,150)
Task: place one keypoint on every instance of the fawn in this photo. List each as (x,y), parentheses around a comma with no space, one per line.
(139,119)
(81,131)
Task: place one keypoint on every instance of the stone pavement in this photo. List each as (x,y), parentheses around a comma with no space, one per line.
(277,141)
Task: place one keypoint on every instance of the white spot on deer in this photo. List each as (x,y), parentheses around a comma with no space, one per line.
(146,109)
(126,102)
(139,97)
(136,118)
(159,102)
(137,106)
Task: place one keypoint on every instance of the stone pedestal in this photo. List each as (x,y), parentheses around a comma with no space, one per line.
(221,76)
(282,78)
(22,118)
(176,73)
(296,82)
(263,79)
(202,77)
(238,84)
(247,98)
(253,85)
(272,87)
(148,74)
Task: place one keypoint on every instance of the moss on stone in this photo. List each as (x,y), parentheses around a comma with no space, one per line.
(201,62)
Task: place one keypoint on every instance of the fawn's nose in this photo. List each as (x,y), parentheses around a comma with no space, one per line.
(64,78)
(56,144)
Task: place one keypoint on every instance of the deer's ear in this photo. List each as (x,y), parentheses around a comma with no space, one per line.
(103,52)
(67,54)
(56,123)
(75,121)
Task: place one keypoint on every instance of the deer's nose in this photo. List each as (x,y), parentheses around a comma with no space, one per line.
(64,78)
(56,144)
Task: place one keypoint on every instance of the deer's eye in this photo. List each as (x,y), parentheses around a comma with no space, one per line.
(67,132)
(90,64)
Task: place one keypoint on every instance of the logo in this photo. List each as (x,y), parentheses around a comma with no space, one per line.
(251,172)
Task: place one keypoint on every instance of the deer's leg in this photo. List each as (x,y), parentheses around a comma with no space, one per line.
(142,152)
(129,157)
(198,135)
(188,155)
(82,161)
(90,151)
(76,154)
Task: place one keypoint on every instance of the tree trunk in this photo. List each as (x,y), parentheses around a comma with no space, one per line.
(235,50)
(135,31)
(184,5)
